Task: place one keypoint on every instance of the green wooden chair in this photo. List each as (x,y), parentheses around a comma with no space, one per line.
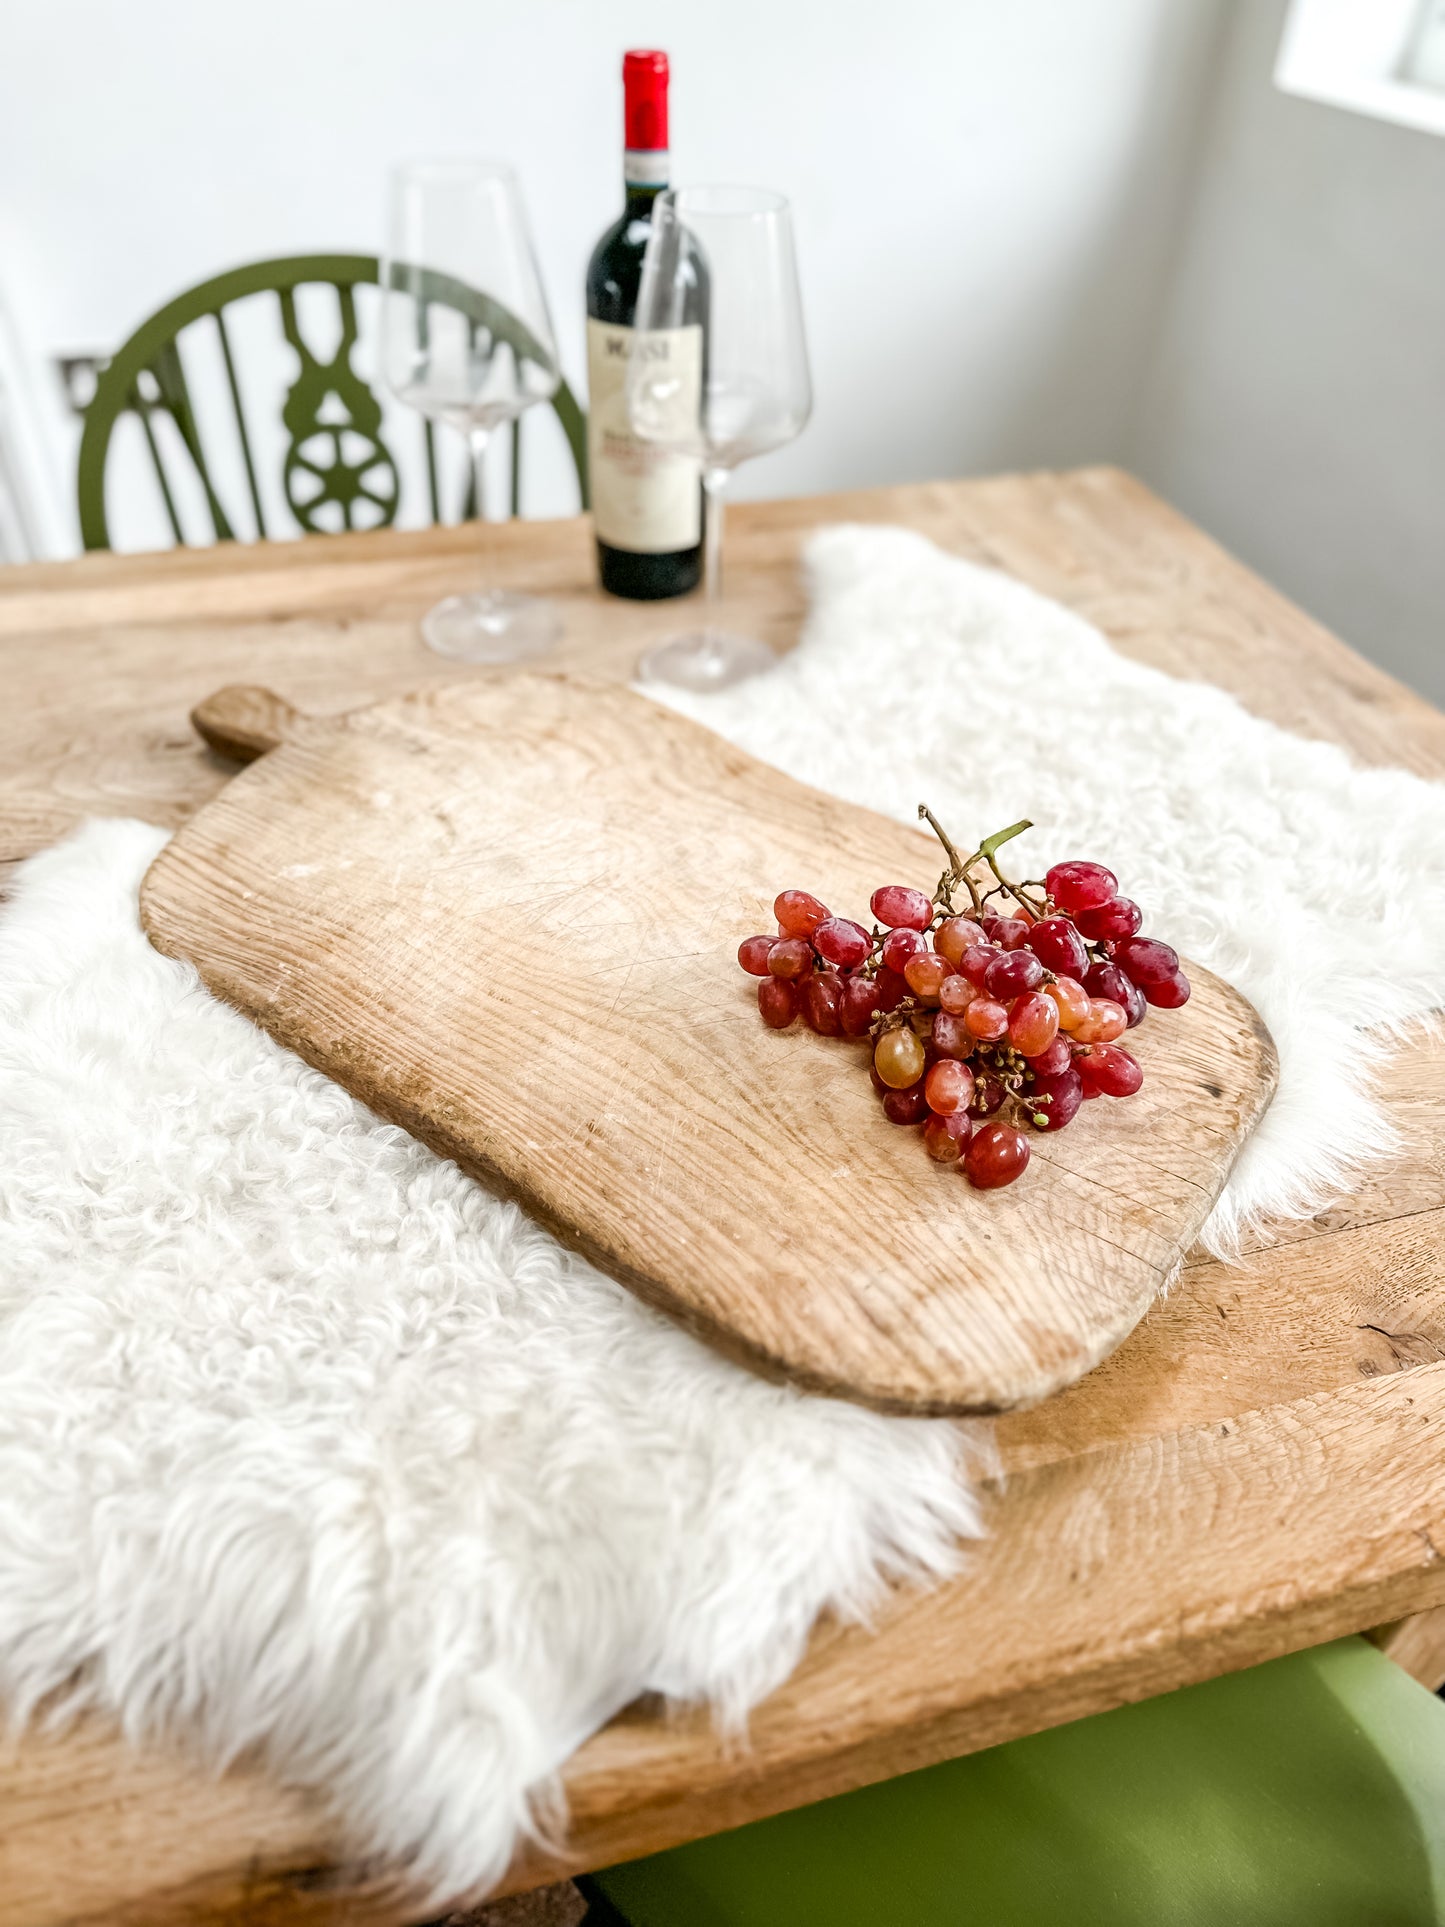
(1308,1792)
(337,470)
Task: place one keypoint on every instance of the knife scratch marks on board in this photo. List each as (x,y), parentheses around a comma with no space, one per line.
(622,988)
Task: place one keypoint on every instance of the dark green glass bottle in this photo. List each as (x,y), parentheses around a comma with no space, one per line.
(647,503)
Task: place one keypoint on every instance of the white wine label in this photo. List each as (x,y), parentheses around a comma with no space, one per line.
(645,498)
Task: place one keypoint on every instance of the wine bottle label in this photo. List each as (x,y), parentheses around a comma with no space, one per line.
(645,498)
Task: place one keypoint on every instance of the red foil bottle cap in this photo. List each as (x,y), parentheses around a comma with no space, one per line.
(644,85)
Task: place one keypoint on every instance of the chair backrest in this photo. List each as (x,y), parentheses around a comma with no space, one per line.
(337,467)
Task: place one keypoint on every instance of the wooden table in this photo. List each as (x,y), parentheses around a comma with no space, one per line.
(1261,1466)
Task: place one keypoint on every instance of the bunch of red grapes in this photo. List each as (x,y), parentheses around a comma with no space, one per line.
(982,1020)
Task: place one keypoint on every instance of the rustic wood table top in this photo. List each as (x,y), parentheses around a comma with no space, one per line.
(1258,1468)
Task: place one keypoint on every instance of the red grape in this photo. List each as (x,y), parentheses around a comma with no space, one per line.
(976,961)
(892,988)
(1169,995)
(1033,1023)
(1111,922)
(790,957)
(1009,933)
(925,973)
(1103,1022)
(996,1155)
(778,1002)
(945,1137)
(898,1058)
(798,914)
(1108,980)
(837,941)
(986,1019)
(951,1036)
(1110,1069)
(1056,943)
(899,946)
(956,993)
(1145,962)
(1058,1057)
(954,935)
(857,1001)
(898,907)
(1080,886)
(948,1086)
(1071,998)
(820,998)
(1065,1093)
(1012,974)
(753,955)
(988,1094)
(906,1107)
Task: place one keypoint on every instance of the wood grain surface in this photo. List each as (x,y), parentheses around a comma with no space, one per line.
(1258,1467)
(506,917)
(1418,1645)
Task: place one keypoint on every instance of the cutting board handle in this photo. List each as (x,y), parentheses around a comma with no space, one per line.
(243,721)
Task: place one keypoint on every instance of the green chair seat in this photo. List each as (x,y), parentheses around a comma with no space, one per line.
(1309,1792)
(336,457)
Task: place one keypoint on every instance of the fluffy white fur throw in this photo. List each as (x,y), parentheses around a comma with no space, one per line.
(310,1446)
(1316,887)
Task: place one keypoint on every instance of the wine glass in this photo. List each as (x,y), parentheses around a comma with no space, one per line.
(755,392)
(467,339)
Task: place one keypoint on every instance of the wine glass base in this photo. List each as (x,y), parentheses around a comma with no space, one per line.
(707,659)
(492,626)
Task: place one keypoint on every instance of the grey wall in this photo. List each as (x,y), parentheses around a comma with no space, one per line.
(1295,403)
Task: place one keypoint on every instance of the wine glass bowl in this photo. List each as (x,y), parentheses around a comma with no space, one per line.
(467,339)
(737,242)
(461,373)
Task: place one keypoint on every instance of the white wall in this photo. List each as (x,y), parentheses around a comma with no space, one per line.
(985,193)
(1296,404)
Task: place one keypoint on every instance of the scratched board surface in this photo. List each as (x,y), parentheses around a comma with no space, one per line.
(505,915)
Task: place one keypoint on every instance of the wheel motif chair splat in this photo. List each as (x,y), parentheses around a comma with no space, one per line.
(336,453)
(338,471)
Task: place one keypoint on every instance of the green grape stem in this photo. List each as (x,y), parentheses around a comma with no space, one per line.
(960,869)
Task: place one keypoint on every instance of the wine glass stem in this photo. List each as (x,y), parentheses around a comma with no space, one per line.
(477,439)
(714,481)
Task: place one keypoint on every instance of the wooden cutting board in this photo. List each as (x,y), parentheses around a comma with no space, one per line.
(505,915)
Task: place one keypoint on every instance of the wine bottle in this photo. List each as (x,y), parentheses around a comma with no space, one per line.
(647,502)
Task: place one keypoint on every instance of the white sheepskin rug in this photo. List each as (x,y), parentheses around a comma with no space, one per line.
(311,1448)
(310,1445)
(1316,887)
